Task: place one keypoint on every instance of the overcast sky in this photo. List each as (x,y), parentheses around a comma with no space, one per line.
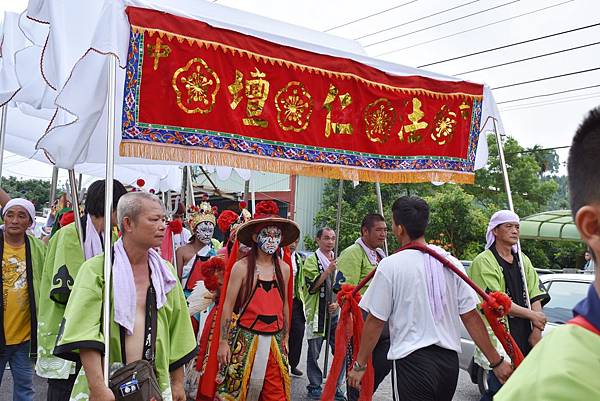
(468,26)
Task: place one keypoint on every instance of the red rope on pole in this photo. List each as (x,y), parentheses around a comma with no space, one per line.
(495,305)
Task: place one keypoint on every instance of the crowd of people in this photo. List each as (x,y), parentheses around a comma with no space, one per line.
(228,321)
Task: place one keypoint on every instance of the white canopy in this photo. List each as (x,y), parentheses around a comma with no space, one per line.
(31,107)
(82,34)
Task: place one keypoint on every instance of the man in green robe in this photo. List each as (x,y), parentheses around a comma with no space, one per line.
(137,272)
(62,265)
(355,263)
(320,306)
(564,366)
(498,269)
(22,258)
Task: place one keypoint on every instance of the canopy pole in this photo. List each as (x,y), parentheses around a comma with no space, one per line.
(3,117)
(380,207)
(108,208)
(329,291)
(190,187)
(53,184)
(510,205)
(75,206)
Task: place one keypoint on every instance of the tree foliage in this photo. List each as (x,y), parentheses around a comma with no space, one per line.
(459,214)
(37,191)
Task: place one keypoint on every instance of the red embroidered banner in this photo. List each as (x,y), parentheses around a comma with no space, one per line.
(199,94)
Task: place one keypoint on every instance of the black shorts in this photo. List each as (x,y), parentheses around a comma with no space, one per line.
(427,374)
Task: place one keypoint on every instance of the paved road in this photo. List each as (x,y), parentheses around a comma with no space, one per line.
(466,391)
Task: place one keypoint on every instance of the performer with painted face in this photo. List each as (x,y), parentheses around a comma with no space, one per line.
(202,221)
(254,323)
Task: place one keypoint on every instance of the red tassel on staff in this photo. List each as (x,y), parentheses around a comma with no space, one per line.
(350,326)
(207,391)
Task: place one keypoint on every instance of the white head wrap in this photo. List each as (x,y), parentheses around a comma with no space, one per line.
(25,204)
(500,217)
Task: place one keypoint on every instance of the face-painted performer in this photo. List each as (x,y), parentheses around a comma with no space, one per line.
(253,345)
(202,221)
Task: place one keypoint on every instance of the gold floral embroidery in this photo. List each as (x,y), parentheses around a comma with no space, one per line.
(294,107)
(444,123)
(200,83)
(379,117)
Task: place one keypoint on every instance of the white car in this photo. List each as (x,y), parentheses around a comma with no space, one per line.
(565,290)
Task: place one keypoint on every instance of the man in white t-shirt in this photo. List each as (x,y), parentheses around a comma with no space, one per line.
(424,303)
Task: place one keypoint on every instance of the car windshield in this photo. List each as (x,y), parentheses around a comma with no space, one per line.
(564,295)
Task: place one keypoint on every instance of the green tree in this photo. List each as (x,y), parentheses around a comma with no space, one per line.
(454,223)
(530,192)
(37,191)
(459,215)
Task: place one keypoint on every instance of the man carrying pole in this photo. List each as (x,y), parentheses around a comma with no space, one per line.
(155,328)
(424,303)
(62,265)
(498,269)
(319,269)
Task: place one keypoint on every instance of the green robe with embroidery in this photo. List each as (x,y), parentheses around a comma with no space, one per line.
(82,326)
(63,262)
(487,274)
(314,302)
(355,265)
(563,366)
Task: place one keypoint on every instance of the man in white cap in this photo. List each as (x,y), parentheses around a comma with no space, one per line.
(498,269)
(22,258)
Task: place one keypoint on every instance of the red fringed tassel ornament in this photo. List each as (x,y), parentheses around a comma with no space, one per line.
(495,307)
(349,328)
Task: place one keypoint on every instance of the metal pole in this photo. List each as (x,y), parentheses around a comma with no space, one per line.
(190,189)
(183,192)
(380,207)
(53,184)
(329,291)
(338,216)
(3,117)
(253,192)
(108,208)
(510,205)
(75,206)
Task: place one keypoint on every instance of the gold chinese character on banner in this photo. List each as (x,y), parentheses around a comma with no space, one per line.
(158,51)
(199,84)
(379,118)
(256,91)
(294,107)
(417,125)
(345,101)
(464,109)
(444,123)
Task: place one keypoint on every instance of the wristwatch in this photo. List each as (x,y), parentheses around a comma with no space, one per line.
(358,368)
